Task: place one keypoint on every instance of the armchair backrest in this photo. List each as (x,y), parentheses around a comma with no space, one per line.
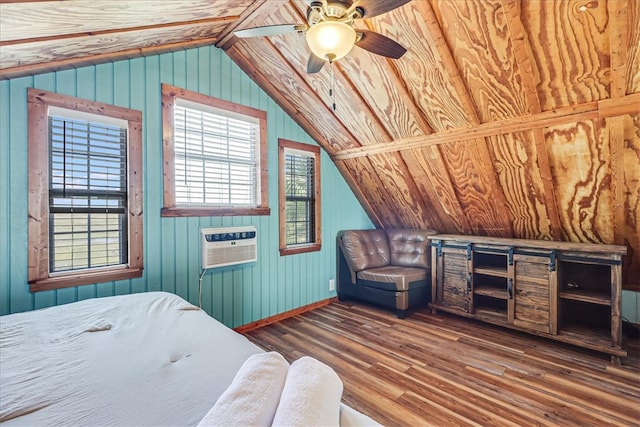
(365,249)
(409,247)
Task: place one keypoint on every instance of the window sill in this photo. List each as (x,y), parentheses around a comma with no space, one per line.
(185,212)
(300,249)
(83,278)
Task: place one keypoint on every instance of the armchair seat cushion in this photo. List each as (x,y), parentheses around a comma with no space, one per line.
(396,277)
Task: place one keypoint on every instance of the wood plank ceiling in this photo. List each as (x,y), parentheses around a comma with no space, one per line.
(511,118)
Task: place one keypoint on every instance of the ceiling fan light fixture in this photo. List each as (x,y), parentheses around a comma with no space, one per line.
(331,40)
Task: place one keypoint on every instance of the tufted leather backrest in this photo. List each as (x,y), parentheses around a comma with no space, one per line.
(410,248)
(366,249)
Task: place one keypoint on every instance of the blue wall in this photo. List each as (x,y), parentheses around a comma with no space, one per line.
(234,295)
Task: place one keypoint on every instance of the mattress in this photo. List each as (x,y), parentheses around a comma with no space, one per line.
(144,359)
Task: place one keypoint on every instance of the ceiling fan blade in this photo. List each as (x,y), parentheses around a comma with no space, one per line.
(269,30)
(373,8)
(380,45)
(314,64)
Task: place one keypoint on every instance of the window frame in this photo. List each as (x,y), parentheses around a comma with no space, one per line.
(283,146)
(170,94)
(39,276)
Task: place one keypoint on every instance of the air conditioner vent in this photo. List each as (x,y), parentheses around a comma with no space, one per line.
(228,246)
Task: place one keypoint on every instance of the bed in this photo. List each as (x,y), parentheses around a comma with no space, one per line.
(143,359)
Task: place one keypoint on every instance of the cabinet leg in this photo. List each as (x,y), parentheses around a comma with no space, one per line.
(615,360)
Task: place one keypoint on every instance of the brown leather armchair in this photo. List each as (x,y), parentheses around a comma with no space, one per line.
(391,268)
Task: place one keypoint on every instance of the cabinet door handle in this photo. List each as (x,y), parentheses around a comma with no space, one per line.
(510,288)
(468,282)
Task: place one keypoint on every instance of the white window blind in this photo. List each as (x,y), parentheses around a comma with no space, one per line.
(215,157)
(300,197)
(87,194)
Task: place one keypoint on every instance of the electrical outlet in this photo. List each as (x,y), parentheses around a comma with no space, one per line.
(332,284)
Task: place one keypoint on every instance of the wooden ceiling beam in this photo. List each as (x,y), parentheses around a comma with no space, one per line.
(619,35)
(97,33)
(629,104)
(524,58)
(259,9)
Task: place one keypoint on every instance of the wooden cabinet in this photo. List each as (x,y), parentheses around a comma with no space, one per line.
(566,291)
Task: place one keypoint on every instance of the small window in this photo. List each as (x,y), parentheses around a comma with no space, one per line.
(214,156)
(82,213)
(299,193)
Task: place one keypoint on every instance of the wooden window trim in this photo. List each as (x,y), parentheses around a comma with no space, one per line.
(169,96)
(39,278)
(283,145)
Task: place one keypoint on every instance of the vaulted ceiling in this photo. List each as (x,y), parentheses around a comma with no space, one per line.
(504,118)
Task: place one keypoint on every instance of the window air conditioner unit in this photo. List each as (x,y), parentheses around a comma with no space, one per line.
(228,246)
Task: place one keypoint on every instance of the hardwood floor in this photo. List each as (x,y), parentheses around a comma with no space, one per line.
(443,370)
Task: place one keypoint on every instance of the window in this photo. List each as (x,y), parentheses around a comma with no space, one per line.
(85,192)
(215,156)
(299,193)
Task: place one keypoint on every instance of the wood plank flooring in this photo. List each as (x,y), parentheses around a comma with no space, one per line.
(443,370)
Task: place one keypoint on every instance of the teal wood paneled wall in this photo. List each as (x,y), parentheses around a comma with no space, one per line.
(234,295)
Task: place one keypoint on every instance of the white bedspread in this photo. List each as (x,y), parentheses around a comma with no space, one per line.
(143,359)
(149,359)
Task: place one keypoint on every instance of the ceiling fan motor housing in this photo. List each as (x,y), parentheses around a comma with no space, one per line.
(332,11)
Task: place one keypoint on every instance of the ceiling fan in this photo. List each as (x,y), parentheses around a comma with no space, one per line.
(330,32)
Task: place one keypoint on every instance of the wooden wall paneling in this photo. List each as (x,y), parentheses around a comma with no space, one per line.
(58,54)
(579,155)
(619,34)
(5,195)
(423,71)
(479,173)
(356,187)
(43,19)
(524,59)
(381,83)
(403,192)
(333,135)
(477,35)
(479,193)
(378,82)
(443,52)
(379,86)
(379,198)
(517,165)
(134,41)
(630,170)
(351,109)
(571,54)
(171,245)
(633,49)
(433,181)
(153,194)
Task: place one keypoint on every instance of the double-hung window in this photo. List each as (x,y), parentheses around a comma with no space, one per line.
(83,213)
(299,194)
(214,156)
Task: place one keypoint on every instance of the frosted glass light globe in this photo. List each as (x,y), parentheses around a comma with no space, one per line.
(331,40)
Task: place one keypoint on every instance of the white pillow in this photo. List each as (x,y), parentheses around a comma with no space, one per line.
(252,397)
(311,396)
